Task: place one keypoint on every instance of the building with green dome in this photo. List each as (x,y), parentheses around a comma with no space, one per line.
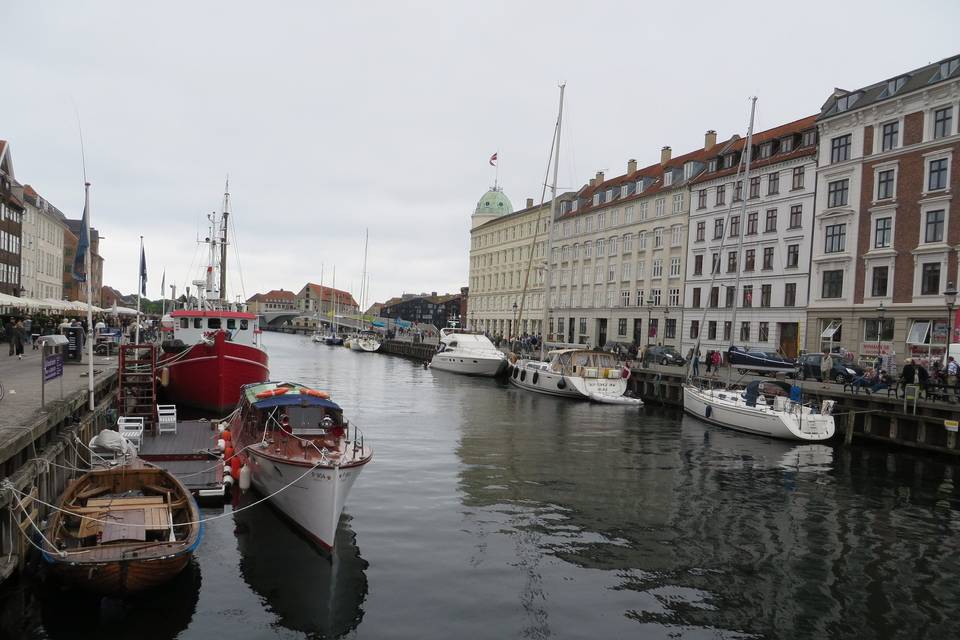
(493,204)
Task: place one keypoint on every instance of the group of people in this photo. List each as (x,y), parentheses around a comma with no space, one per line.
(713,360)
(913,373)
(17,332)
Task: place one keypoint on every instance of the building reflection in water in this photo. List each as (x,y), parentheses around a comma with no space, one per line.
(710,528)
(312,591)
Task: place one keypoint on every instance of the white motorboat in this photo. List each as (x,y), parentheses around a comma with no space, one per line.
(468,353)
(752,413)
(300,452)
(575,373)
(365,341)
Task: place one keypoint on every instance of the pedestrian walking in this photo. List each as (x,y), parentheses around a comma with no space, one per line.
(18,339)
(953,370)
(696,363)
(716,359)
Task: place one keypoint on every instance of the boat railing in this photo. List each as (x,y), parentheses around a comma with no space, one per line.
(357,440)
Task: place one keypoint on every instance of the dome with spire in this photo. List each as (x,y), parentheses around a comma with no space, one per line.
(494,202)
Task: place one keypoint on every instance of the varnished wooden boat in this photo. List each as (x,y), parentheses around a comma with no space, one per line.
(122,530)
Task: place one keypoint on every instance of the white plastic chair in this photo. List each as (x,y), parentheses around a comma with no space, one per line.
(166,418)
(132,430)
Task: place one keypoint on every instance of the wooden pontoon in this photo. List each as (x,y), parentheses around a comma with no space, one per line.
(122,530)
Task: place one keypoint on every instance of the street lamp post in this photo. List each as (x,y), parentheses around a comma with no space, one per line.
(880,310)
(949,297)
(649,312)
(666,321)
(513,326)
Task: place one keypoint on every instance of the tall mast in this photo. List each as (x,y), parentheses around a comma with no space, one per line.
(363,277)
(335,299)
(743,219)
(223,241)
(553,216)
(320,304)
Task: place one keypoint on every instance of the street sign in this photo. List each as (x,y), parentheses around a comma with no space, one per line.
(52,367)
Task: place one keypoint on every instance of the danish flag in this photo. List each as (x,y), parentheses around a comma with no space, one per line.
(493,160)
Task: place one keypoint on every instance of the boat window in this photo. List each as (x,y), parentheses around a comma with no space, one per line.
(231,323)
(309,420)
(184,323)
(582,360)
(453,344)
(605,360)
(198,323)
(213,323)
(243,325)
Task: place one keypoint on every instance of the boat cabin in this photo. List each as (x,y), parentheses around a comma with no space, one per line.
(577,362)
(193,325)
(295,413)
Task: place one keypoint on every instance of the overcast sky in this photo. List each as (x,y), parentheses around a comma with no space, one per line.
(332,117)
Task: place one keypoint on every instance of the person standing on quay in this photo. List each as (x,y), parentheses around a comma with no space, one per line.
(826,366)
(696,363)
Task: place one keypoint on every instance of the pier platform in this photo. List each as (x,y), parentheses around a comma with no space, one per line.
(190,454)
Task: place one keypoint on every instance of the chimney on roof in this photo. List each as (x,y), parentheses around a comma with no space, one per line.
(593,182)
(709,139)
(665,155)
(631,165)
(529,203)
(599,177)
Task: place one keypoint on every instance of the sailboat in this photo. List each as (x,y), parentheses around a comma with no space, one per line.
(215,348)
(317,333)
(764,408)
(365,340)
(579,374)
(333,338)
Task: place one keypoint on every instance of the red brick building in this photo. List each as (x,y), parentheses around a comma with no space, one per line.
(885,247)
(11,224)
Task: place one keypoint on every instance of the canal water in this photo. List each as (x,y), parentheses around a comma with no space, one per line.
(489,512)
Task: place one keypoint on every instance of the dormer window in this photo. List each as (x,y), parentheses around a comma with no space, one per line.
(667,178)
(786,145)
(610,194)
(766,150)
(625,190)
(947,67)
(596,198)
(573,205)
(730,160)
(809,137)
(688,170)
(639,186)
(713,165)
(846,101)
(893,86)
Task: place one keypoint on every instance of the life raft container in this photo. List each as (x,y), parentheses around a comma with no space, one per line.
(279,391)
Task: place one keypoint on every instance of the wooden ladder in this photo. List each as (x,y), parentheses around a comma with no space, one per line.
(137,389)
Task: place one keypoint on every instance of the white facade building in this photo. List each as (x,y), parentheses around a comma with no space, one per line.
(503,300)
(767,242)
(41,273)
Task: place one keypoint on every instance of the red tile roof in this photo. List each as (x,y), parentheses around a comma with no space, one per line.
(795,127)
(280,294)
(326,293)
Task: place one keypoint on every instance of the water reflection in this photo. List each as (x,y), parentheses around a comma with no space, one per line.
(711,530)
(309,590)
(163,612)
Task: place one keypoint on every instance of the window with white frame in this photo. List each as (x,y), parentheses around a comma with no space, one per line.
(675,266)
(937,171)
(589,224)
(933,225)
(640,299)
(942,122)
(628,243)
(676,235)
(600,247)
(613,246)
(628,215)
(655,295)
(640,267)
(611,297)
(601,221)
(587,249)
(660,204)
(598,274)
(586,275)
(624,297)
(642,240)
(576,251)
(890,136)
(674,298)
(678,202)
(882,232)
(643,211)
(611,272)
(625,270)
(658,237)
(657,268)
(598,297)
(885,184)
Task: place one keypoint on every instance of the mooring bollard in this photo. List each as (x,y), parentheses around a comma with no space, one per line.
(851,421)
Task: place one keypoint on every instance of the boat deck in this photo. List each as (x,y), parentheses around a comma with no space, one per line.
(190,454)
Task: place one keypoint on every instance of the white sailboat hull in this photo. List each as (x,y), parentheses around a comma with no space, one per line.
(369,345)
(314,502)
(604,390)
(728,409)
(469,364)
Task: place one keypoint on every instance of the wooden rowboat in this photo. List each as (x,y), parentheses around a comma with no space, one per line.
(122,530)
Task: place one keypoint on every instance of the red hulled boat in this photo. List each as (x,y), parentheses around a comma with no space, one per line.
(213,349)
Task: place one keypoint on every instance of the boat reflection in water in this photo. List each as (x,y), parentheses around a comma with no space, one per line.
(163,612)
(312,591)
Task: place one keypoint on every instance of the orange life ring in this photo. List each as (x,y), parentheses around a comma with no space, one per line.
(315,393)
(279,391)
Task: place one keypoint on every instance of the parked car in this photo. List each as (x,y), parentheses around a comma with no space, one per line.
(759,361)
(842,372)
(663,355)
(622,349)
